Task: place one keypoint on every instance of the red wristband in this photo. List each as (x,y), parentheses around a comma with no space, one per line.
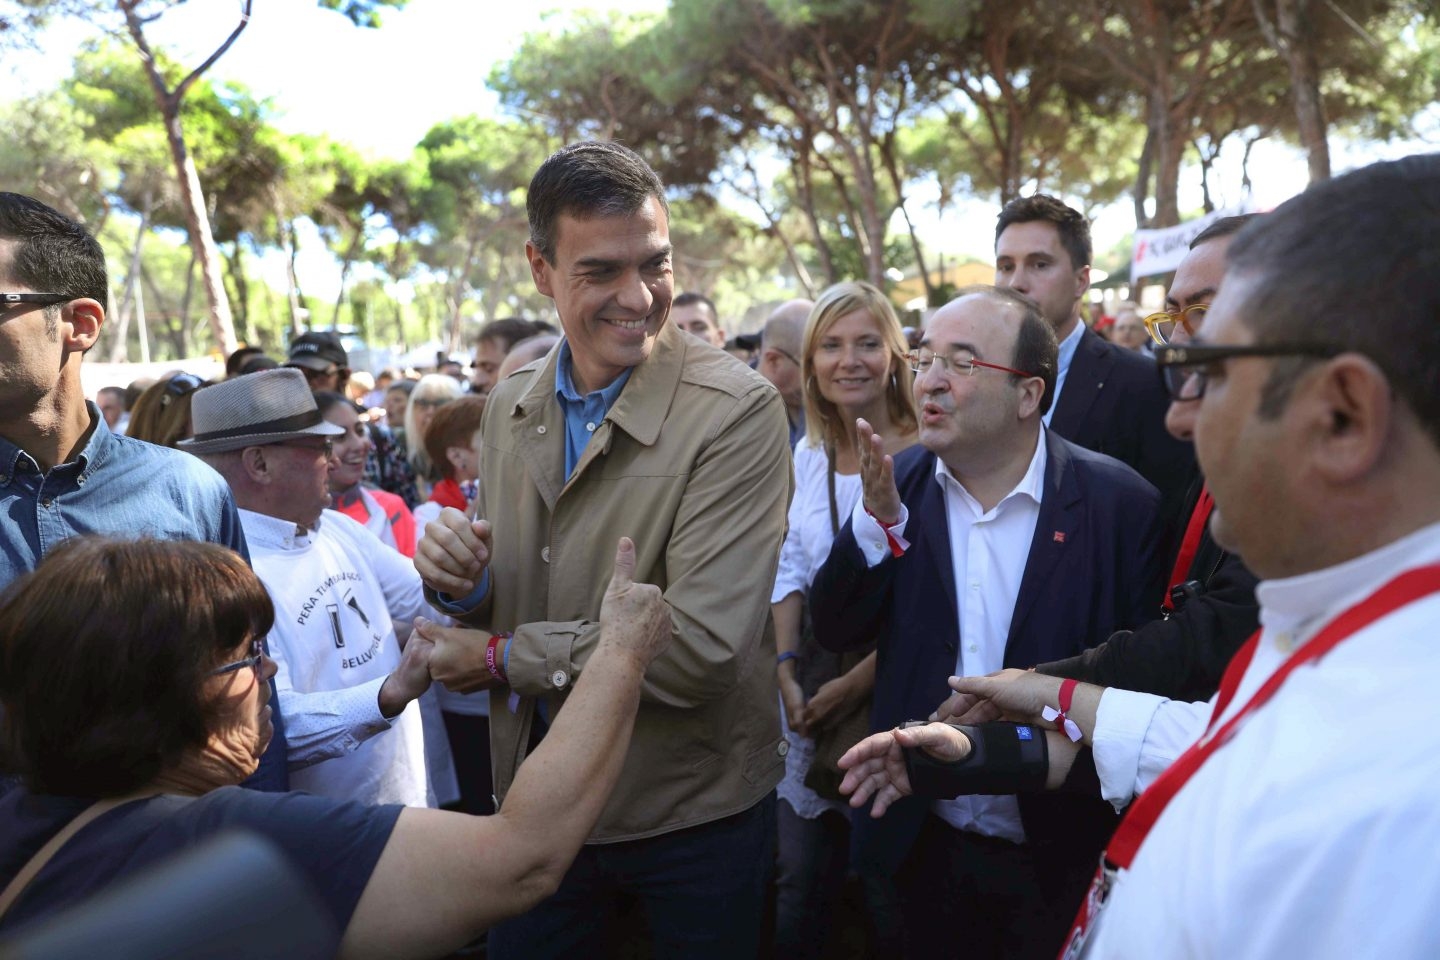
(1061,717)
(898,545)
(493,663)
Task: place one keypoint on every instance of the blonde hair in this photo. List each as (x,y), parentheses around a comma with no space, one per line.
(430,388)
(823,424)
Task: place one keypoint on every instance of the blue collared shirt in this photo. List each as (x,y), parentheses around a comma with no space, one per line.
(118,486)
(582,414)
(1068,346)
(124,488)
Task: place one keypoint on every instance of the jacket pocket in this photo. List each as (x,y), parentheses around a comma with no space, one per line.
(762,763)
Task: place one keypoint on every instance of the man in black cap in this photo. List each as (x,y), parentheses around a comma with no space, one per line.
(320,356)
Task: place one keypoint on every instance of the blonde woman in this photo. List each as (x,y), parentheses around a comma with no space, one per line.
(853,365)
(433,391)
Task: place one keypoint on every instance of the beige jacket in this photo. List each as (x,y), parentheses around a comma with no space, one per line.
(692,463)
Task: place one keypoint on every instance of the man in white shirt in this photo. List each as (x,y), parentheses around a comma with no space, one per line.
(1006,545)
(353,731)
(1293,815)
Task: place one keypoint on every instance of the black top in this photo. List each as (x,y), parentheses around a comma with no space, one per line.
(1184,656)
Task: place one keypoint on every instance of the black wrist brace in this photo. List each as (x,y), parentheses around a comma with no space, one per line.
(1004,758)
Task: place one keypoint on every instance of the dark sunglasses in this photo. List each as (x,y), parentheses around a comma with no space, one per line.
(180,385)
(43,299)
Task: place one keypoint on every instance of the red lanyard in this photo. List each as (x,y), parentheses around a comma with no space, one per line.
(1404,589)
(1190,545)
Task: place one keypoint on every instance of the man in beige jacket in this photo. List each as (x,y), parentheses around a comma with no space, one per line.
(630,426)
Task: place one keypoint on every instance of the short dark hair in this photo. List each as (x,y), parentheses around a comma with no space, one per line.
(508,330)
(235,363)
(453,425)
(325,399)
(592,178)
(1224,227)
(1074,229)
(116,392)
(1352,262)
(104,652)
(1036,350)
(689,297)
(54,254)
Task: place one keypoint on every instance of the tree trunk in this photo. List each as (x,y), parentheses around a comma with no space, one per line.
(351,252)
(292,284)
(1289,33)
(141,328)
(119,346)
(175,324)
(192,196)
(1143,173)
(806,182)
(242,284)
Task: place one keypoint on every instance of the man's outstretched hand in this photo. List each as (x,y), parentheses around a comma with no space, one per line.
(875,767)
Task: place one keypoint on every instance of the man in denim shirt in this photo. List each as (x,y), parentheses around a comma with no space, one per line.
(62,472)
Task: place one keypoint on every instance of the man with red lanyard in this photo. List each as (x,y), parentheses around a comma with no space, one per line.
(1294,814)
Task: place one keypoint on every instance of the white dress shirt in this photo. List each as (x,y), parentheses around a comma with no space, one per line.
(337,592)
(988,553)
(1312,833)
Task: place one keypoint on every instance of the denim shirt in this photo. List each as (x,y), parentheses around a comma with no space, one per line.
(582,414)
(124,488)
(118,486)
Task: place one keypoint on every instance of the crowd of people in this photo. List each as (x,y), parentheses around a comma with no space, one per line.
(844,639)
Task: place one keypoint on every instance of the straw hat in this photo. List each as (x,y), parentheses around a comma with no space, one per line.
(259,408)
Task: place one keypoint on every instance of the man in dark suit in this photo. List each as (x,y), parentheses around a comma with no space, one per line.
(995,543)
(1107,398)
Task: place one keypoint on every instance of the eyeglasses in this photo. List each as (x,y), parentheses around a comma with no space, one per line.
(1161,326)
(786,354)
(1183,368)
(43,299)
(180,385)
(960,362)
(257,653)
(327,446)
(319,374)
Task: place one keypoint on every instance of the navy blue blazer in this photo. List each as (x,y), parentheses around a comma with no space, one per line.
(1114,403)
(1093,569)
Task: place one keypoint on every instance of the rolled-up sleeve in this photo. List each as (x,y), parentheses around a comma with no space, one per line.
(1137,736)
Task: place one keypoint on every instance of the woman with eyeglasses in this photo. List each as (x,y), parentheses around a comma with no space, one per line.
(431,392)
(134,687)
(853,364)
(162,413)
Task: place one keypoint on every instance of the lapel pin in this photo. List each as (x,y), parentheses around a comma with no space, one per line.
(1059,536)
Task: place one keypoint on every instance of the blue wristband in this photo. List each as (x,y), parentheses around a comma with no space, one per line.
(787,655)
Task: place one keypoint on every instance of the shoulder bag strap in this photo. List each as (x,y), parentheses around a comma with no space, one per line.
(44,854)
(830,484)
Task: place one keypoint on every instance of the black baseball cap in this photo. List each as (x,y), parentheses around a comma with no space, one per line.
(317,350)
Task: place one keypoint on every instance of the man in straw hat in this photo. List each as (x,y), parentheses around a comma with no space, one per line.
(342,677)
